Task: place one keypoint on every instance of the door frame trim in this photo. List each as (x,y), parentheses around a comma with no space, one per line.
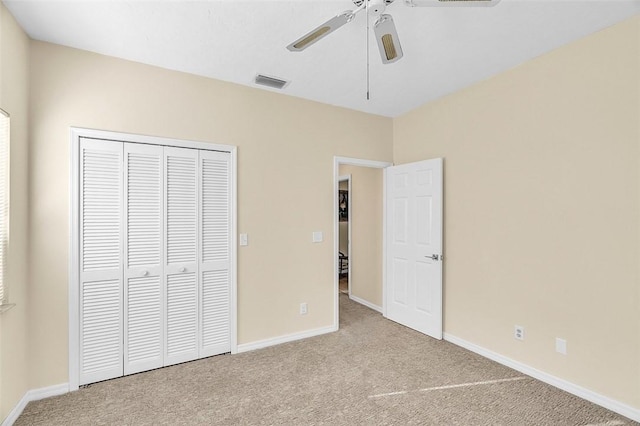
(337,161)
(75,134)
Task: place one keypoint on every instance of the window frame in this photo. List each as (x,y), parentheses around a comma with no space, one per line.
(5,150)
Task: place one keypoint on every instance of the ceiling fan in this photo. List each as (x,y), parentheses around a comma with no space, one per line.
(383,28)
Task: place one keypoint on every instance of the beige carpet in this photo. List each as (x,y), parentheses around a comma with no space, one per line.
(371,372)
(343,285)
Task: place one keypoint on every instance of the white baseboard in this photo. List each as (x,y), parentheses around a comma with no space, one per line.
(365,303)
(34,395)
(246,347)
(596,398)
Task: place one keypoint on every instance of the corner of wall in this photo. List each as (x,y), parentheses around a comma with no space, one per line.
(14,327)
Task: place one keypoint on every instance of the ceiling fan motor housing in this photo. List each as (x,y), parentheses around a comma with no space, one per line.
(375,6)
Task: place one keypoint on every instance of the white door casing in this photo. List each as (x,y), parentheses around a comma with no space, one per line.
(414,199)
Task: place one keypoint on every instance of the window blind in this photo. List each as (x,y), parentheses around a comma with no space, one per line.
(4,201)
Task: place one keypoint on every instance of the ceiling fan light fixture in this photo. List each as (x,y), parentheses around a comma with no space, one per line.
(450,3)
(389,47)
(388,41)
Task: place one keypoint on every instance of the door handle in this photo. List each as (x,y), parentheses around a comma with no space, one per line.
(435,257)
(145,273)
(183,269)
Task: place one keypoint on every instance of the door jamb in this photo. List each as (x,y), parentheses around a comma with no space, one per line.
(74,235)
(337,161)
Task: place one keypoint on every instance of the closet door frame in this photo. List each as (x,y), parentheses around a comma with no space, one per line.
(74,229)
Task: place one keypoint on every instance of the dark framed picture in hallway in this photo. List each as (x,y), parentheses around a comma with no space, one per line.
(343,205)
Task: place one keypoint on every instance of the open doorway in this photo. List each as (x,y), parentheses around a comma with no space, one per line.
(344,233)
(361,268)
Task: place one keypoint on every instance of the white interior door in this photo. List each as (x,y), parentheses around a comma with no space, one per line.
(413,294)
(215,252)
(144,247)
(181,260)
(100,246)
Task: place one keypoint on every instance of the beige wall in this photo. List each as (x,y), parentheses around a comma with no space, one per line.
(280,140)
(366,232)
(542,205)
(343,237)
(542,213)
(14,93)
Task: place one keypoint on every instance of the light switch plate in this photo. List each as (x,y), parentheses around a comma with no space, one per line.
(244,240)
(561,346)
(317,237)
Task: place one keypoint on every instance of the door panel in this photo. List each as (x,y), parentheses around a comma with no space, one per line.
(215,312)
(399,282)
(101,331)
(414,235)
(100,260)
(424,207)
(181,266)
(400,222)
(143,324)
(424,299)
(144,242)
(182,206)
(182,317)
(215,218)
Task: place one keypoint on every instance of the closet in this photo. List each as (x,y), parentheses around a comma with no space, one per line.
(154,256)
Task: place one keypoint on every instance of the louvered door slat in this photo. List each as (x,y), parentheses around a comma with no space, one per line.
(182,206)
(144,247)
(215,209)
(101,195)
(215,252)
(182,294)
(144,331)
(181,268)
(215,310)
(100,260)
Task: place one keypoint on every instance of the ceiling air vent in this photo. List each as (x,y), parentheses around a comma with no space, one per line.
(272,82)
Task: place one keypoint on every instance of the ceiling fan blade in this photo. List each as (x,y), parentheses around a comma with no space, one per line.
(322,31)
(451,3)
(388,41)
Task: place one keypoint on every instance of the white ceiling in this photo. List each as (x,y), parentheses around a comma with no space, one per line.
(445,49)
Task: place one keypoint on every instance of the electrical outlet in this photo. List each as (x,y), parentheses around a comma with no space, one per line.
(303,308)
(561,346)
(518,332)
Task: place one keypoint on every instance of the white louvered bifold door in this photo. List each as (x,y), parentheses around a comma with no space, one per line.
(181,266)
(144,247)
(215,252)
(101,227)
